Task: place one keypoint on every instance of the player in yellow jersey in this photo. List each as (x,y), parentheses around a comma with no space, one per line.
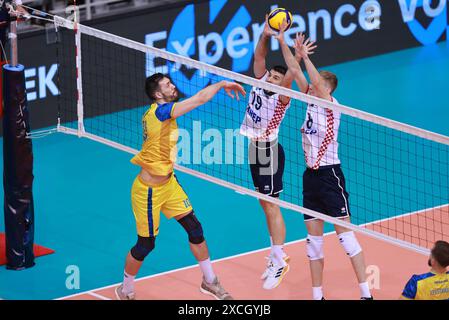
(157,189)
(433,285)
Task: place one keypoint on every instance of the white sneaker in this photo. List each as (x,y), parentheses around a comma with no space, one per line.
(265,273)
(275,275)
(122,296)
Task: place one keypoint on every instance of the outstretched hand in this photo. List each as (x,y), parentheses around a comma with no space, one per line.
(267,31)
(282,28)
(304,48)
(231,87)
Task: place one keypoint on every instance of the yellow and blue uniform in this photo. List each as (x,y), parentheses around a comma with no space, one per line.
(157,156)
(427,286)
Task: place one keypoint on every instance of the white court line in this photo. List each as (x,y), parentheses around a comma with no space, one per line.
(99,296)
(90,292)
(356,228)
(404,215)
(185,268)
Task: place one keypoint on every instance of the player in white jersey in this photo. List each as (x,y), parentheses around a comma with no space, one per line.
(324,187)
(263,117)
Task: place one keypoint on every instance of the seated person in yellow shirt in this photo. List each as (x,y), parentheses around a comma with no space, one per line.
(433,285)
(157,189)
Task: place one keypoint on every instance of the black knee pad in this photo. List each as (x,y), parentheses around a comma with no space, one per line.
(143,247)
(193,227)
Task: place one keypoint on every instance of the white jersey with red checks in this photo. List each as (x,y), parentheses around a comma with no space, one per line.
(319,136)
(264,114)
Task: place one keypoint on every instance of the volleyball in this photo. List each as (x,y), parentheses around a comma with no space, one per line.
(276,17)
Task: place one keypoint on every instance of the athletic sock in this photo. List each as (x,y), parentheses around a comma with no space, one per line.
(364,290)
(317,293)
(128,283)
(278,254)
(208,272)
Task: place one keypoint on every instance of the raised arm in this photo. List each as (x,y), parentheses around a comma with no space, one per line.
(207,94)
(260,66)
(315,77)
(293,61)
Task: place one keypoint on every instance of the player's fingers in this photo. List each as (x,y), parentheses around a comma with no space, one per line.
(237,95)
(241,90)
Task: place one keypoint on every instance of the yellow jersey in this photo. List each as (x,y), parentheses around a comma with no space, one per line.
(160,135)
(428,286)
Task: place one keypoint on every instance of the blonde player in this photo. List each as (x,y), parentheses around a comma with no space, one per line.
(157,189)
(324,187)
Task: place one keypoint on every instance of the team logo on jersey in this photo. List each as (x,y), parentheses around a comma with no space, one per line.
(309,131)
(253,115)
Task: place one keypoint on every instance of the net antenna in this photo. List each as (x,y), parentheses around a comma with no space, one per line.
(397,174)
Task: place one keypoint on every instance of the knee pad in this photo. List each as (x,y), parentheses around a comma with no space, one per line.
(143,247)
(314,245)
(350,243)
(193,227)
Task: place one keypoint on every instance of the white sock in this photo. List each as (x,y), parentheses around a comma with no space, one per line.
(271,241)
(317,293)
(208,272)
(128,283)
(364,290)
(277,254)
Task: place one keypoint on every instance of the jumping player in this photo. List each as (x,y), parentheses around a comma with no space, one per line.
(157,189)
(263,117)
(324,187)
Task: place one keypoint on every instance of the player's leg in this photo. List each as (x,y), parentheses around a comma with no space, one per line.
(267,171)
(314,248)
(337,199)
(145,204)
(354,251)
(315,241)
(276,227)
(178,206)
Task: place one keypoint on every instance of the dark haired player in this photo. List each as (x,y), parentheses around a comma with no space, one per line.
(157,189)
(263,117)
(433,285)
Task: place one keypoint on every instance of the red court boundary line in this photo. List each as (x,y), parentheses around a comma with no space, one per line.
(92,293)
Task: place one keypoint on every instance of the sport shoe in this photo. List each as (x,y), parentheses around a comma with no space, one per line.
(367,298)
(275,275)
(121,296)
(215,289)
(265,273)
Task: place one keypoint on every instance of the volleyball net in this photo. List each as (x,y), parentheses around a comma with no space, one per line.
(397,175)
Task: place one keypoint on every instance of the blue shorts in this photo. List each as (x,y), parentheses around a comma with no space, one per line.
(324,190)
(267,160)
